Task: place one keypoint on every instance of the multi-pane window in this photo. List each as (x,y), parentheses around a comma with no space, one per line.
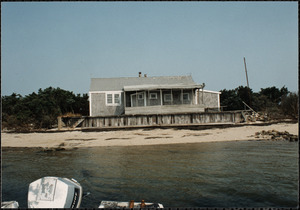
(186,97)
(153,95)
(141,96)
(168,97)
(113,99)
(117,98)
(109,98)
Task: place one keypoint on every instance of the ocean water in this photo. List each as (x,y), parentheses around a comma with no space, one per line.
(219,174)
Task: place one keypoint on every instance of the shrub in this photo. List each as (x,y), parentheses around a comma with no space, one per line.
(290,105)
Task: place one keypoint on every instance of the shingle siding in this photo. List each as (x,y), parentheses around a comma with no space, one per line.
(211,99)
(100,108)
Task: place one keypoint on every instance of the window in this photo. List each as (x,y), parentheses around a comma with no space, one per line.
(153,96)
(141,96)
(117,98)
(113,99)
(109,98)
(186,97)
(168,97)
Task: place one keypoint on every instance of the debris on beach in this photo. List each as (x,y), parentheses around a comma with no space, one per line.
(52,149)
(276,135)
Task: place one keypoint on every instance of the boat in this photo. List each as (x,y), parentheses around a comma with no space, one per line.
(57,192)
(130,204)
(54,192)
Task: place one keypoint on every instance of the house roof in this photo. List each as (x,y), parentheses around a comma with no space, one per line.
(157,87)
(118,84)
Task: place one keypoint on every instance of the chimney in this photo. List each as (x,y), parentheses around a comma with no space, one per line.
(140,74)
(145,75)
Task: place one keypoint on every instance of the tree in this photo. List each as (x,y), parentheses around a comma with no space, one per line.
(230,100)
(245,94)
(274,94)
(277,103)
(9,103)
(40,110)
(81,104)
(11,106)
(233,99)
(290,105)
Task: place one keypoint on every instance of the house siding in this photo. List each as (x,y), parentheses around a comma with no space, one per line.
(99,107)
(211,100)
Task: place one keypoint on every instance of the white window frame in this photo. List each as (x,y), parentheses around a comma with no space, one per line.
(165,97)
(119,98)
(111,98)
(140,96)
(153,96)
(188,96)
(113,93)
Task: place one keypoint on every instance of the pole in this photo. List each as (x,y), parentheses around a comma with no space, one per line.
(59,123)
(247,82)
(246,72)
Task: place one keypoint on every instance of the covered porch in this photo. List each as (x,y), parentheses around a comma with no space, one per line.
(163,99)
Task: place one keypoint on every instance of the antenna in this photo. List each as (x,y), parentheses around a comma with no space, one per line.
(246,72)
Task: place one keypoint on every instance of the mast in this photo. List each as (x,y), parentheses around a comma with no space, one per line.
(246,72)
(249,95)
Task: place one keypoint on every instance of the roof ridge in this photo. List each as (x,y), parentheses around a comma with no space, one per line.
(175,76)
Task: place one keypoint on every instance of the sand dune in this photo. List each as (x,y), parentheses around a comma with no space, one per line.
(73,139)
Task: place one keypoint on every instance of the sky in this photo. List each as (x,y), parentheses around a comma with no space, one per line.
(65,44)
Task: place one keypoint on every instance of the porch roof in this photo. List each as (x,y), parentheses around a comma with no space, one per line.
(117,84)
(161,87)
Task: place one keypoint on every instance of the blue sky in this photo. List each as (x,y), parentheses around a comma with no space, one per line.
(64,44)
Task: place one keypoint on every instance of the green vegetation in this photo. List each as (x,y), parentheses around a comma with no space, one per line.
(276,103)
(40,110)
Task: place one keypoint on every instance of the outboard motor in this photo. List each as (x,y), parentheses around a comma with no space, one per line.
(54,192)
(9,205)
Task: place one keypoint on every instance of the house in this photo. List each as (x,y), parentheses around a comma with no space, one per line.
(149,95)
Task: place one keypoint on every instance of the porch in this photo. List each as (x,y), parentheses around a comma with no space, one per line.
(163,99)
(165,109)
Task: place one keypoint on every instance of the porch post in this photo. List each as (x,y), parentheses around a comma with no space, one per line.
(161,98)
(148,98)
(145,95)
(136,99)
(124,100)
(181,97)
(171,97)
(192,101)
(202,97)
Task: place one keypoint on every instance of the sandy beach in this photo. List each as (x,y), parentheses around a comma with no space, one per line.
(75,139)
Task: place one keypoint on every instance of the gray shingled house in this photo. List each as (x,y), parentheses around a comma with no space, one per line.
(149,95)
